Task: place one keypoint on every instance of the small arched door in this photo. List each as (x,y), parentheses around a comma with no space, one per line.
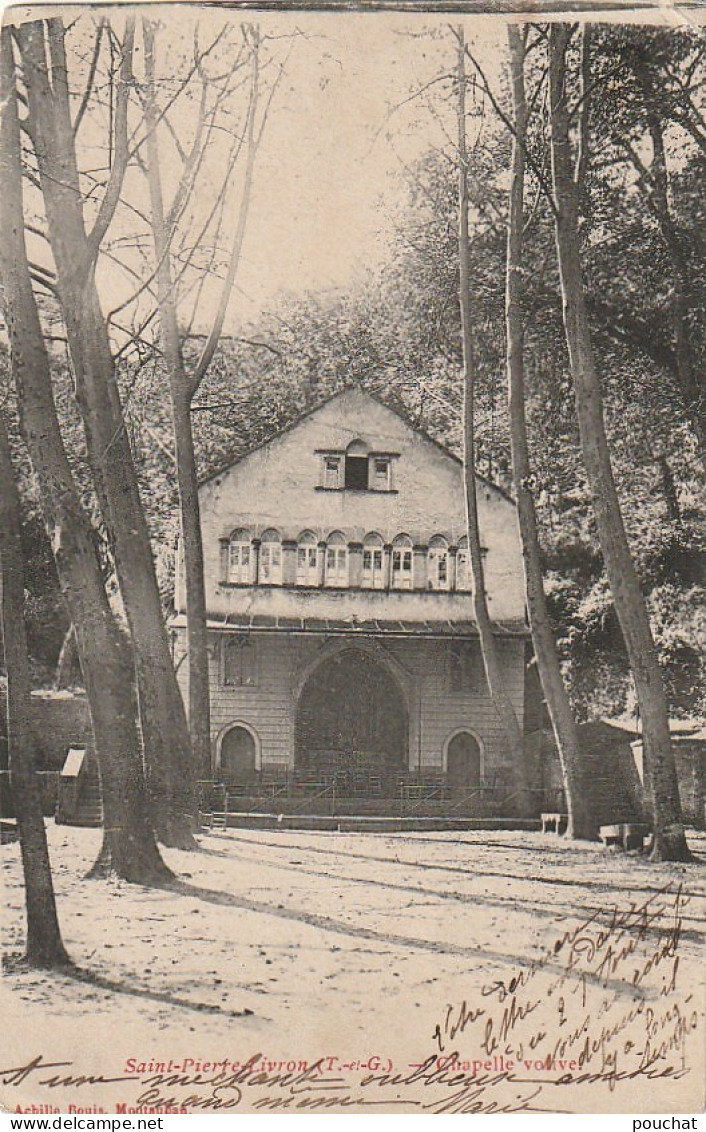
(463,761)
(238,756)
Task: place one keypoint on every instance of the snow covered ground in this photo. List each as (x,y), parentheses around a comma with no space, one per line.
(410,972)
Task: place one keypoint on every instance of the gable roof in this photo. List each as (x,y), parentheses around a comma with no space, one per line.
(396,409)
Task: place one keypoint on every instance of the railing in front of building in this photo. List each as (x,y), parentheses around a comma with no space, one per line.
(298,792)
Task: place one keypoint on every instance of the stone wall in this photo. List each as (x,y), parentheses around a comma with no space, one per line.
(61,720)
(690,758)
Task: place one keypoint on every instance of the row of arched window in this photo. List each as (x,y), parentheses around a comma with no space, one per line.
(337,563)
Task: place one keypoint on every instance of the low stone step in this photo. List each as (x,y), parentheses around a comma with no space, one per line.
(90,811)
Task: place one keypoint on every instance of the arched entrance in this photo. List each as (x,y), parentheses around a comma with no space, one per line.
(463,761)
(238,756)
(352,719)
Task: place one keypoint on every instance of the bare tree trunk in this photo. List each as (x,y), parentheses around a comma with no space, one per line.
(197,627)
(181,395)
(167,746)
(44,944)
(580,823)
(491,661)
(129,845)
(184,381)
(67,661)
(669,842)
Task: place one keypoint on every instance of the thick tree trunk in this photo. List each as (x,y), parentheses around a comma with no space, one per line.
(167,747)
(181,395)
(44,944)
(580,822)
(491,661)
(129,844)
(669,842)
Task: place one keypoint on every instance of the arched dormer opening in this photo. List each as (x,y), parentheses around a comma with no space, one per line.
(356,470)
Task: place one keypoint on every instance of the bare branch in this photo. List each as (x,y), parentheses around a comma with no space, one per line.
(255,343)
(158,442)
(217,326)
(135,335)
(91,78)
(145,284)
(196,154)
(546,189)
(175,138)
(134,146)
(42,281)
(120,160)
(410,98)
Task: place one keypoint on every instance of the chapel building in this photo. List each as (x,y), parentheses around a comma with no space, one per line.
(344,654)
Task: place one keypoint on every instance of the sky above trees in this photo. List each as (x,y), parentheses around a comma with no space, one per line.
(361,99)
(345,122)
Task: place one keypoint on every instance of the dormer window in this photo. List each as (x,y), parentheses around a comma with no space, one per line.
(356,469)
(464,577)
(332,472)
(381,473)
(357,466)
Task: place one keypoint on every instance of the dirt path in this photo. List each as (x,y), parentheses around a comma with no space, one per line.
(299,946)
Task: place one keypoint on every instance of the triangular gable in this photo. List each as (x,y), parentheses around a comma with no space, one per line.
(352,391)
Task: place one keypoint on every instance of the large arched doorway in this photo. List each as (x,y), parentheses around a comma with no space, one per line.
(463,761)
(238,756)
(352,719)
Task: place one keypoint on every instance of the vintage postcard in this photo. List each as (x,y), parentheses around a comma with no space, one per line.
(353,536)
